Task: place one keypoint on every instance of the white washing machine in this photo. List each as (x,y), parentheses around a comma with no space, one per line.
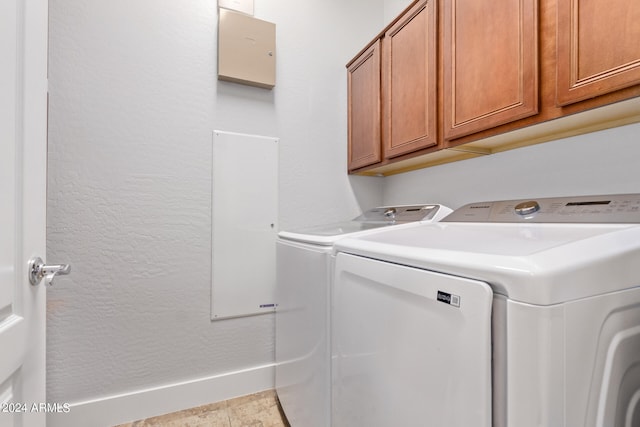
(513,313)
(304,262)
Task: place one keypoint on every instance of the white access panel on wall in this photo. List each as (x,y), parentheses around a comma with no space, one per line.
(244,224)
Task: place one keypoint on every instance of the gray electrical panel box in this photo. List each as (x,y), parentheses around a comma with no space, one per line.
(246,49)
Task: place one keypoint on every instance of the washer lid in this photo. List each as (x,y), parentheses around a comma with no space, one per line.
(533,263)
(370,220)
(327,234)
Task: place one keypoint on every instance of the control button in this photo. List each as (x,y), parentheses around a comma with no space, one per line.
(527,208)
(390,213)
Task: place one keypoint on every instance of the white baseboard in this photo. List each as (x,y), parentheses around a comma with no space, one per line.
(123,408)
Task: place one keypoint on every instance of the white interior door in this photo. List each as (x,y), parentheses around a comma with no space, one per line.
(23,132)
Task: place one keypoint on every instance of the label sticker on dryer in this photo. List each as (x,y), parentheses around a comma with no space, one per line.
(450,299)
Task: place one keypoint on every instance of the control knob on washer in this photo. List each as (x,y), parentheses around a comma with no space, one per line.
(527,208)
(390,213)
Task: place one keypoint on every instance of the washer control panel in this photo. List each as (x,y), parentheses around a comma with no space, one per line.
(397,214)
(616,208)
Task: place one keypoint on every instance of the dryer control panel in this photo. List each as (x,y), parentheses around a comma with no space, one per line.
(611,209)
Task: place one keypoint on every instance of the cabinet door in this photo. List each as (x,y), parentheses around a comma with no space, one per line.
(410,81)
(363,86)
(598,47)
(490,64)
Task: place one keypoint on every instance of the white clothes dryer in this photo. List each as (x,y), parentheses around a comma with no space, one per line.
(304,262)
(507,314)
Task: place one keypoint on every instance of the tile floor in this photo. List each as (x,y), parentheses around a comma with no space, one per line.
(256,410)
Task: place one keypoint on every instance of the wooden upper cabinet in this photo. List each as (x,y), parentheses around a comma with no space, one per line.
(409,81)
(474,75)
(490,53)
(364,114)
(598,47)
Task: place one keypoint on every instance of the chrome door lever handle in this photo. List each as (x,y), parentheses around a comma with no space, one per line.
(39,270)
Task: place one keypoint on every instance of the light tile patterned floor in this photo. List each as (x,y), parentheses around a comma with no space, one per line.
(256,410)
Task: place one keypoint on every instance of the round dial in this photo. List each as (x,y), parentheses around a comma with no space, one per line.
(390,213)
(527,208)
